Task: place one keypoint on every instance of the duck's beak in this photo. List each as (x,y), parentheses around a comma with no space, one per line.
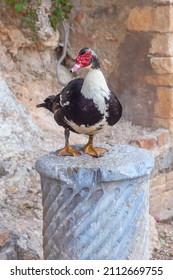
(76,67)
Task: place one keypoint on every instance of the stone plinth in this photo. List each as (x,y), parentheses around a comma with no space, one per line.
(96,208)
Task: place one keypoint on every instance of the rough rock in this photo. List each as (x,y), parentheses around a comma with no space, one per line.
(28,66)
(48,36)
(154,237)
(21,142)
(163,1)
(15,246)
(63,75)
(7,244)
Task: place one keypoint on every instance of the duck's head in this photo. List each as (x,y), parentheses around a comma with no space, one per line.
(86,58)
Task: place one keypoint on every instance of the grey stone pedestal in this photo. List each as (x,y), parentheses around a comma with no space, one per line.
(96,208)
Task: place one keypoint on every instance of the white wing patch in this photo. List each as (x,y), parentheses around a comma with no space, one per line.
(65,103)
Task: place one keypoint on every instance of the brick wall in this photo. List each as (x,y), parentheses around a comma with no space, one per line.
(145,74)
(134,41)
(159,144)
(145,80)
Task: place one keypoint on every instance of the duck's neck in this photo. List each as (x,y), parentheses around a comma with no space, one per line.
(95,88)
(95,83)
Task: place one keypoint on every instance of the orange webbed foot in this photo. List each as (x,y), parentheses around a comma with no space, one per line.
(94,151)
(68,151)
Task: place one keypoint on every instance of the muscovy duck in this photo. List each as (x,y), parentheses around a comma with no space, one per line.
(85,106)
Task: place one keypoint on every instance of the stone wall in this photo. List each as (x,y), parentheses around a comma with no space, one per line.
(134,40)
(161,183)
(153,90)
(99,25)
(148,55)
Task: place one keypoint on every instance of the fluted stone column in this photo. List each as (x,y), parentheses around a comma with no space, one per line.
(96,208)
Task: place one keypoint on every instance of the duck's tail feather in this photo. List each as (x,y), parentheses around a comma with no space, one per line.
(48,103)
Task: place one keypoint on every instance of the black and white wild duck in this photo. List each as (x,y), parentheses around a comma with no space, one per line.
(85,106)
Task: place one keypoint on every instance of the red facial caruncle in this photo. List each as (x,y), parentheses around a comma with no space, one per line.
(82,60)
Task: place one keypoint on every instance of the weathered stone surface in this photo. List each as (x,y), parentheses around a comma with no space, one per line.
(161,182)
(165,160)
(156,190)
(63,75)
(49,37)
(23,247)
(171,126)
(85,200)
(129,80)
(155,122)
(27,65)
(158,19)
(162,65)
(162,44)
(16,39)
(4,235)
(169,176)
(161,204)
(164,1)
(154,238)
(7,247)
(163,105)
(15,246)
(121,165)
(156,139)
(140,19)
(161,188)
(80,18)
(163,138)
(148,144)
(103,25)
(21,142)
(156,181)
(160,80)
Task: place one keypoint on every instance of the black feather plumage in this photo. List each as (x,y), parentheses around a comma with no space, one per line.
(85,106)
